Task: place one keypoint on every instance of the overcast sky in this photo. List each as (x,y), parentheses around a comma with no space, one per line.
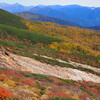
(92,3)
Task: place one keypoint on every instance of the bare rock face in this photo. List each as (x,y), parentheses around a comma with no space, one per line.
(21,63)
(3,51)
(7,62)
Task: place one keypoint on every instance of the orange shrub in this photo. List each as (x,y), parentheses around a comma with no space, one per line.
(28,82)
(4,94)
(3,77)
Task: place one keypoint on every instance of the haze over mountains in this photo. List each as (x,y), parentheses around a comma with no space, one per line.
(81,15)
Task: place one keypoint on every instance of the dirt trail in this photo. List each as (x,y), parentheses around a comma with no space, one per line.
(29,64)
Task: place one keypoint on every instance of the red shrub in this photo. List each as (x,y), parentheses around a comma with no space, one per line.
(82,97)
(4,94)
(28,82)
(3,77)
(9,72)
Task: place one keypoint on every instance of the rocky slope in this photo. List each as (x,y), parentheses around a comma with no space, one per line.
(21,63)
(24,78)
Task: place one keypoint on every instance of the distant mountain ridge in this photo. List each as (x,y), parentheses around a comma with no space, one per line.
(82,15)
(85,16)
(14,7)
(37,17)
(95,27)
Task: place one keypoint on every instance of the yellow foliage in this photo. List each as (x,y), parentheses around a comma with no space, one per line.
(54,45)
(84,37)
(35,90)
(68,47)
(10,83)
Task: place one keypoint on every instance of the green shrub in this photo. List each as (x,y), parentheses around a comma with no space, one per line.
(3,68)
(23,35)
(26,75)
(39,76)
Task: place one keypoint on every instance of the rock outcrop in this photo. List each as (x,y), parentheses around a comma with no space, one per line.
(21,63)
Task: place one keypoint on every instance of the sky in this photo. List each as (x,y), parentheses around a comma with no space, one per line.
(91,3)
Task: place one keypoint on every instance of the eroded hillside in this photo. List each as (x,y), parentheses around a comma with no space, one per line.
(16,76)
(21,63)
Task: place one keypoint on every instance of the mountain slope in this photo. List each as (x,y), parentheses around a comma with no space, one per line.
(36,17)
(27,43)
(66,33)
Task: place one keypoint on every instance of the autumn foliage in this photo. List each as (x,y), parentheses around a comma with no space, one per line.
(4,94)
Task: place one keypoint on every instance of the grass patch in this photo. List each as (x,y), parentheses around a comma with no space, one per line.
(24,74)
(39,76)
(23,34)
(2,68)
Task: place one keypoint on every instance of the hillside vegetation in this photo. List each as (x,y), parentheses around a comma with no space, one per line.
(49,39)
(23,35)
(89,39)
(15,85)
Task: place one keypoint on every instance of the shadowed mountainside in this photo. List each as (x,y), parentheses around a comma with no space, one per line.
(36,17)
